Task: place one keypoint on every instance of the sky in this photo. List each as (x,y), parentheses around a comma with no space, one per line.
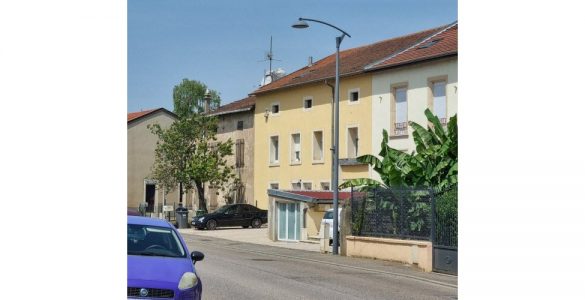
(223,43)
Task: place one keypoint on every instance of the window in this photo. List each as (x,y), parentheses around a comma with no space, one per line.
(295,148)
(308,103)
(440,101)
(240,125)
(354,95)
(307,186)
(400,126)
(325,186)
(352,142)
(274,149)
(275,108)
(296,186)
(274,186)
(239,153)
(318,146)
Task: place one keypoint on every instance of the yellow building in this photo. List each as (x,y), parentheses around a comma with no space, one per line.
(293,122)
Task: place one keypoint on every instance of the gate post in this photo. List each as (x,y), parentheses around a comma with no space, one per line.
(433,216)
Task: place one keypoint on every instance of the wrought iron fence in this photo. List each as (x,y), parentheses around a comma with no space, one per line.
(404,213)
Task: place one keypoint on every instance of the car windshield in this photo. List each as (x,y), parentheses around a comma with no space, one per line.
(154,241)
(328,215)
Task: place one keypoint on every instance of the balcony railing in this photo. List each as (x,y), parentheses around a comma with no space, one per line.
(401,128)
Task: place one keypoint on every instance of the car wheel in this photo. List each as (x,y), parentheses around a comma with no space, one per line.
(211,224)
(256,223)
(245,226)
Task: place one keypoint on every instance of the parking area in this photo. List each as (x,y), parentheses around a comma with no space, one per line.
(249,235)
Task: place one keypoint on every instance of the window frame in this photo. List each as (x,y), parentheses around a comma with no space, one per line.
(273,182)
(240,144)
(347,139)
(321,185)
(272,113)
(431,95)
(393,111)
(292,144)
(349,92)
(270,161)
(305,99)
(322,160)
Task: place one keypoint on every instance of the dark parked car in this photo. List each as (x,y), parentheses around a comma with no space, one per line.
(159,263)
(244,215)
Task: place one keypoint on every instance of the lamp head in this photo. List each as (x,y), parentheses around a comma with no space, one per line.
(300,24)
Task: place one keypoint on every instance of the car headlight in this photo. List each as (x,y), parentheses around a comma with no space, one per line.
(201,219)
(188,280)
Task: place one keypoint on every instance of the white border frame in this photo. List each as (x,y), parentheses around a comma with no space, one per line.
(279,108)
(347,127)
(312,103)
(300,162)
(349,102)
(322,160)
(277,162)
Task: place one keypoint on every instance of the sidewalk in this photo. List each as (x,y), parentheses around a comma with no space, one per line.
(257,236)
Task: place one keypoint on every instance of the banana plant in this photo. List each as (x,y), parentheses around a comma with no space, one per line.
(433,164)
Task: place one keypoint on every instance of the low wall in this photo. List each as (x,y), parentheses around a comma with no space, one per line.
(419,253)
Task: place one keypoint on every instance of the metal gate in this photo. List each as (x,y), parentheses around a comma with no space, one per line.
(444,234)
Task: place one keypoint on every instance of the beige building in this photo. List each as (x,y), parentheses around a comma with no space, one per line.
(236,122)
(141,147)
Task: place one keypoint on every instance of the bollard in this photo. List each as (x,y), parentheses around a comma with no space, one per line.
(324,237)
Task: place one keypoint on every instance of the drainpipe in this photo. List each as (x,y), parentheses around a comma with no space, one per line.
(332,133)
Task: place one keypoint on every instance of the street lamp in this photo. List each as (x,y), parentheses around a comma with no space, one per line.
(335,180)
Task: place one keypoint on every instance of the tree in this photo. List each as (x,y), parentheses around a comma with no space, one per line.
(434,164)
(188,153)
(188,98)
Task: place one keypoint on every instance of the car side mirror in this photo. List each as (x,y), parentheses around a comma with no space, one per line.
(196,256)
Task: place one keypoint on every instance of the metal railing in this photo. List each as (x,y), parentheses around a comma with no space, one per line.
(394,213)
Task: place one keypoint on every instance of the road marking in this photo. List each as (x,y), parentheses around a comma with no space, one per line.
(444,284)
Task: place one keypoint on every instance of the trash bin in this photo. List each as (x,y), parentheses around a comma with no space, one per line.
(182,216)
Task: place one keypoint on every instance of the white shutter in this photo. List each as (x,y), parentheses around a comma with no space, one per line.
(401,105)
(439,100)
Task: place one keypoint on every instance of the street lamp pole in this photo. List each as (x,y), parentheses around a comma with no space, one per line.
(335,180)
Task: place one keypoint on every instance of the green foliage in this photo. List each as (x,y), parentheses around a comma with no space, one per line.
(434,164)
(188,98)
(446,206)
(188,153)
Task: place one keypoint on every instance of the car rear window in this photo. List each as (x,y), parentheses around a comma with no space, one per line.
(328,215)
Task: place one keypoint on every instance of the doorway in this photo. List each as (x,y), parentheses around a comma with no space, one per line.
(150,190)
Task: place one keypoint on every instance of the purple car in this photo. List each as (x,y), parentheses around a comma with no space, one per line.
(159,264)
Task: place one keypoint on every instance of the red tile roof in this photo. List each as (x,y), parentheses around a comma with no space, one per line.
(236,106)
(353,61)
(139,114)
(444,43)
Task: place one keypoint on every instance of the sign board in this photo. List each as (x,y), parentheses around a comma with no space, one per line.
(167,208)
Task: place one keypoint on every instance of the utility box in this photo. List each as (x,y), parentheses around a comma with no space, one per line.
(324,237)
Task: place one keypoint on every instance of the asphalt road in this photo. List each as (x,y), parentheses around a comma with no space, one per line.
(235,270)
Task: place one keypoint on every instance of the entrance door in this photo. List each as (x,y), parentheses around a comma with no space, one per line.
(149,197)
(289,221)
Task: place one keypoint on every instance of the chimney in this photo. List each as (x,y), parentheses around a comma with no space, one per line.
(207,99)
(310,62)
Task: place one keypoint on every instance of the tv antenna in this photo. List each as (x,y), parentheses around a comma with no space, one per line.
(269,56)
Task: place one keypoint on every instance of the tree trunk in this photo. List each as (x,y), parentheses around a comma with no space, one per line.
(201,194)
(180,192)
